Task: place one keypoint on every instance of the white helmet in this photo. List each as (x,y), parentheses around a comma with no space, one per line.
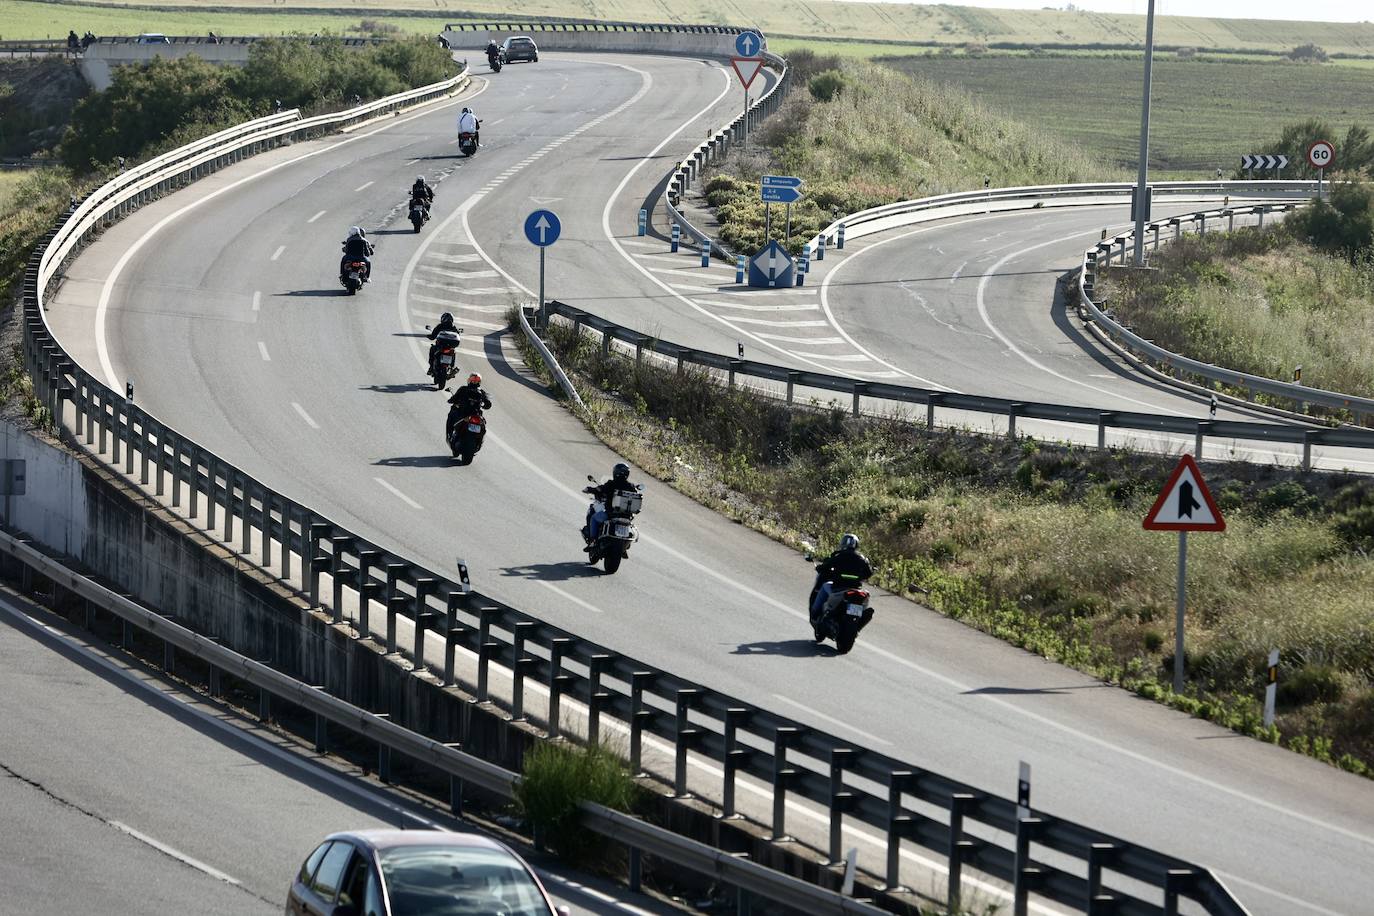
(849,542)
(354,232)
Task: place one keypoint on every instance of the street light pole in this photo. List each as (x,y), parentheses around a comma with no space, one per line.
(1144,140)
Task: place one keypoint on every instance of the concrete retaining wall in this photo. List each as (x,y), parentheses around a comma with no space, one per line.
(53,507)
(690,43)
(100,59)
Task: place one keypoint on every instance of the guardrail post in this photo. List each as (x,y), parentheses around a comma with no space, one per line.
(1202,224)
(229,475)
(1027,876)
(898,825)
(1178,228)
(1177,882)
(734,365)
(639,717)
(453,637)
(338,544)
(395,606)
(423,621)
(839,237)
(1155,227)
(841,799)
(1259,211)
(932,401)
(782,776)
(1230,220)
(486,648)
(522,663)
(367,592)
(1100,856)
(605,344)
(1104,420)
(685,737)
(1012,411)
(959,849)
(1203,428)
(1307,437)
(859,388)
(596,697)
(318,561)
(559,680)
(792,384)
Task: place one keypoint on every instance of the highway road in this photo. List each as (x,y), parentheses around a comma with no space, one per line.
(220,303)
(125,794)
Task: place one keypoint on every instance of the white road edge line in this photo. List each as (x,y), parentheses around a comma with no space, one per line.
(840,723)
(399,495)
(175,854)
(305,416)
(568,596)
(262,348)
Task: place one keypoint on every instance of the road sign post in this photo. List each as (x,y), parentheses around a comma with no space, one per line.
(1184,504)
(542,228)
(1271,687)
(1143,173)
(1321,155)
(746,68)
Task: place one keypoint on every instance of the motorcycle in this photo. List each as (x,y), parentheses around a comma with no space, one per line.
(494,62)
(443,364)
(419,212)
(617,532)
(467,142)
(465,439)
(845,613)
(354,275)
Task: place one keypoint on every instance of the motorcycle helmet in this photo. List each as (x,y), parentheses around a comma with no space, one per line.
(420,179)
(620,472)
(355,233)
(849,542)
(474,379)
(446,318)
(467,111)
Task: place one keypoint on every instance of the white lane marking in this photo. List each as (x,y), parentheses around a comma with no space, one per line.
(399,495)
(726,304)
(276,254)
(867,736)
(804,323)
(363,187)
(305,416)
(451,304)
(643,243)
(102,308)
(570,597)
(461,258)
(262,348)
(460,274)
(837,358)
(1284,897)
(257,300)
(317,216)
(1027,358)
(806,340)
(179,856)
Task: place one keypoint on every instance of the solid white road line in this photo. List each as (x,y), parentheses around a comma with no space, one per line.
(363,187)
(868,736)
(399,495)
(566,596)
(257,300)
(317,216)
(833,358)
(276,254)
(806,340)
(262,348)
(179,856)
(726,304)
(766,322)
(305,416)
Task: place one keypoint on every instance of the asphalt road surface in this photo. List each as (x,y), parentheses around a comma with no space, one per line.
(221,303)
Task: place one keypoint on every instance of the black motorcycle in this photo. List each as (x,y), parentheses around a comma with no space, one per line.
(617,532)
(354,275)
(494,61)
(465,438)
(443,361)
(419,212)
(843,615)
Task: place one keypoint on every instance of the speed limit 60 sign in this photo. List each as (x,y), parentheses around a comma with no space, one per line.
(1321,154)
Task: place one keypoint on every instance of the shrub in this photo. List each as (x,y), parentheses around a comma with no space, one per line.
(1308,54)
(825,86)
(557,778)
(1310,684)
(1343,224)
(1186,53)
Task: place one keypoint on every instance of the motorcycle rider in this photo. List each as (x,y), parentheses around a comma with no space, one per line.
(468,124)
(357,248)
(619,483)
(469,399)
(493,52)
(422,192)
(845,563)
(445,324)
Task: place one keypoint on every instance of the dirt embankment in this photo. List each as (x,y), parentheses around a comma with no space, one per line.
(36,101)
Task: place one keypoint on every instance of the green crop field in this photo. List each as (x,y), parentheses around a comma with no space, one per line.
(916,23)
(1204,114)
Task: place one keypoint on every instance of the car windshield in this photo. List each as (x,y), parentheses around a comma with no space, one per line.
(458,881)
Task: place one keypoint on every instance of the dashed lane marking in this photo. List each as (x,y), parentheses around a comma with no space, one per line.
(305,416)
(399,495)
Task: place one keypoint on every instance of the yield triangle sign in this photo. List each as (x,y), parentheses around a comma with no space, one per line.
(746,68)
(1185,503)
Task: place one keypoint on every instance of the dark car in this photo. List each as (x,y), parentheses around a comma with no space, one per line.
(519,47)
(416,873)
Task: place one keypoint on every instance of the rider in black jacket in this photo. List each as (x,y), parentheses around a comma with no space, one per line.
(619,483)
(845,564)
(445,324)
(466,401)
(357,247)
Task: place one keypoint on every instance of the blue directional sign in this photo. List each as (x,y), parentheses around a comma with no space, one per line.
(542,228)
(779,189)
(747,44)
(772,266)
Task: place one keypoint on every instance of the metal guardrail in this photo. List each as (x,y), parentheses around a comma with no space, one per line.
(855,785)
(688,170)
(578,25)
(1101,255)
(461,767)
(1102,420)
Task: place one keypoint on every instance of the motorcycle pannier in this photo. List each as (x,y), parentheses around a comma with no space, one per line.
(626,502)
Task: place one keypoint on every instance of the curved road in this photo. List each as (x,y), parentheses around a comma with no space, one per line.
(220,303)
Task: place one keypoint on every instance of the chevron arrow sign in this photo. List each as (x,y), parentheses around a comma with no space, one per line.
(1264,162)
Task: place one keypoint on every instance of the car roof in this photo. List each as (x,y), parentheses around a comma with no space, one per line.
(521,38)
(380,839)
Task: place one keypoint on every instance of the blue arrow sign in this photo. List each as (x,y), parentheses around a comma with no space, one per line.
(779,195)
(780,181)
(747,43)
(542,228)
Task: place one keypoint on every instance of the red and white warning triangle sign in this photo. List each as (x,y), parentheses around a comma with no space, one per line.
(1185,503)
(746,68)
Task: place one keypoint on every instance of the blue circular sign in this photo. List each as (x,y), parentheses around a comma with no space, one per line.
(542,228)
(748,43)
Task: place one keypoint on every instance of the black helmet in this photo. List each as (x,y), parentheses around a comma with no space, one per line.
(620,472)
(446,318)
(849,542)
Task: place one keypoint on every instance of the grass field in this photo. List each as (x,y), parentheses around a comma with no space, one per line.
(912,22)
(1204,114)
(8,182)
(23,19)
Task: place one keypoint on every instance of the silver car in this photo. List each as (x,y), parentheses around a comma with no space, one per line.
(416,873)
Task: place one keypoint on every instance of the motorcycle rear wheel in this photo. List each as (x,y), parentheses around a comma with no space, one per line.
(612,561)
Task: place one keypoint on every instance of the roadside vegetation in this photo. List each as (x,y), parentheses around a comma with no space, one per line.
(1300,293)
(557,778)
(1040,544)
(861,135)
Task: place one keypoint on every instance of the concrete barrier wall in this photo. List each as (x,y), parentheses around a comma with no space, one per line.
(100,59)
(53,507)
